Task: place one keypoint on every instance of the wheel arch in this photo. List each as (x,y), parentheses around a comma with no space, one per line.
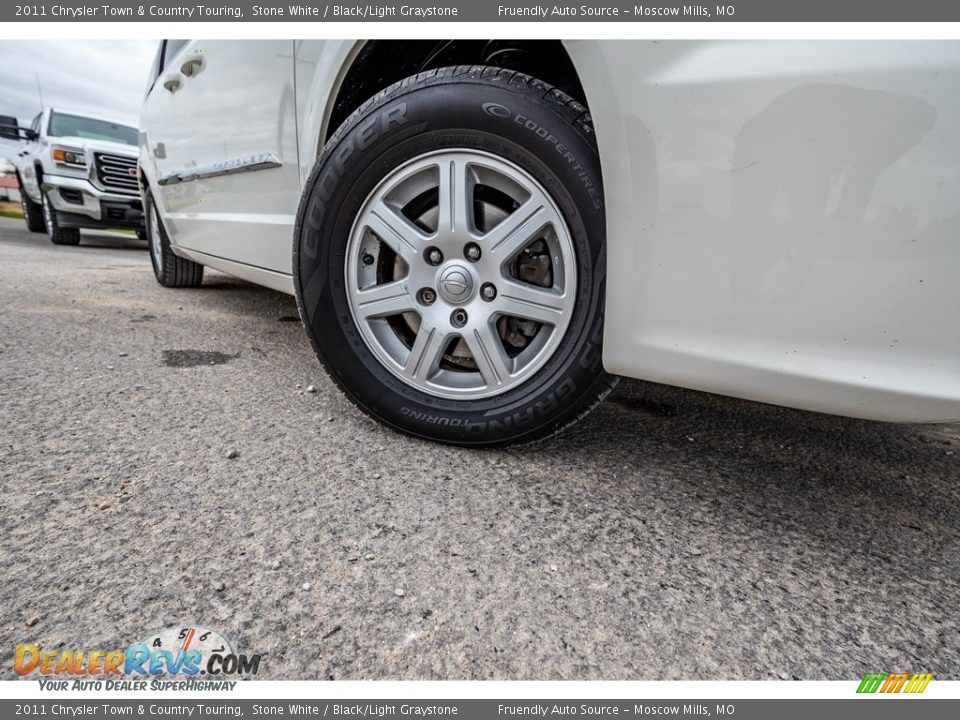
(349,73)
(38,174)
(346,74)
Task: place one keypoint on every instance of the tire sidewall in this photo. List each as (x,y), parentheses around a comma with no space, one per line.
(149,210)
(515,126)
(49,217)
(25,207)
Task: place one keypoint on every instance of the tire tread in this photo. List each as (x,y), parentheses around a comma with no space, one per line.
(33,213)
(62,236)
(177,272)
(567,107)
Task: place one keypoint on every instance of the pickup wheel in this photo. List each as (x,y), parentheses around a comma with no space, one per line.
(449,258)
(57,234)
(32,213)
(169,269)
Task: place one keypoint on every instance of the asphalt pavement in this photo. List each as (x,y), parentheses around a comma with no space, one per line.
(162,463)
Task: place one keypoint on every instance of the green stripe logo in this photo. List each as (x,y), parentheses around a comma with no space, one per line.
(894,683)
(871,682)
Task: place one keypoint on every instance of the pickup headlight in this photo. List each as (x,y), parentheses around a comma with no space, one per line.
(68,156)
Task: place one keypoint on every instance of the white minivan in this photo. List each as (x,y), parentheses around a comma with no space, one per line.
(483,234)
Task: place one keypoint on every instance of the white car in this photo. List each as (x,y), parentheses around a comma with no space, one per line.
(76,171)
(482,235)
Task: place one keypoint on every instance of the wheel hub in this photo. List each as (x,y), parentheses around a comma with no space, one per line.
(455,284)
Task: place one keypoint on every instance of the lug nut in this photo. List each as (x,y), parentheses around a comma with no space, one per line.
(458,318)
(433,256)
(472,252)
(427,296)
(488,292)
(368,259)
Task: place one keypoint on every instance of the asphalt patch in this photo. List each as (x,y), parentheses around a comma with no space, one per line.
(193,358)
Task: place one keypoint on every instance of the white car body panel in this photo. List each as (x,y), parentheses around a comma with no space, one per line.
(783,220)
(782,217)
(243,217)
(321,65)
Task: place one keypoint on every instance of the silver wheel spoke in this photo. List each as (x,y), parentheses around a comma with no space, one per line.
(488,354)
(516,231)
(530,302)
(426,352)
(384,300)
(455,197)
(399,234)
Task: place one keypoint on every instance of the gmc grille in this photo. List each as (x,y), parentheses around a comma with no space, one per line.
(114,172)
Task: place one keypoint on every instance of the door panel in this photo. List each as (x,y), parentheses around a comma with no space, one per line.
(782,219)
(219,110)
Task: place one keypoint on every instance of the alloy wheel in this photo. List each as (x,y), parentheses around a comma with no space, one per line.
(460,274)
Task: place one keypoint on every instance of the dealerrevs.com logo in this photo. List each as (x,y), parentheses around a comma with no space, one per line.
(175,658)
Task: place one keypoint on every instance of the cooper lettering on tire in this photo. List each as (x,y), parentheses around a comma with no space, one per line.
(450,272)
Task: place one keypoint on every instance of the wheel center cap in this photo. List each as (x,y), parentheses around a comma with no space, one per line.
(455,283)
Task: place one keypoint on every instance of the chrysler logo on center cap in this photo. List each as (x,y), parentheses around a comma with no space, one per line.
(456,284)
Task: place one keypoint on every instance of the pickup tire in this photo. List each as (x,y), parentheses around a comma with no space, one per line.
(170,270)
(32,213)
(58,235)
(433,321)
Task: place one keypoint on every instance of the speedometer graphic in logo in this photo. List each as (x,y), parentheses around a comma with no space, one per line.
(187,638)
(184,649)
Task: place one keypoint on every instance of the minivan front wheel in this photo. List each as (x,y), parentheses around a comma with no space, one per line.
(449,258)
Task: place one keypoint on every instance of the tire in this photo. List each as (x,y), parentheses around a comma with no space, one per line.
(58,235)
(32,213)
(507,143)
(169,269)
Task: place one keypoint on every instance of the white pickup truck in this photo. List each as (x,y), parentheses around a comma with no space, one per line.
(75,172)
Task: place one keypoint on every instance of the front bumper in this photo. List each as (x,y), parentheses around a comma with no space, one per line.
(79,203)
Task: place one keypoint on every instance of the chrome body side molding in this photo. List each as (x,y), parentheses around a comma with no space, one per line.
(247,163)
